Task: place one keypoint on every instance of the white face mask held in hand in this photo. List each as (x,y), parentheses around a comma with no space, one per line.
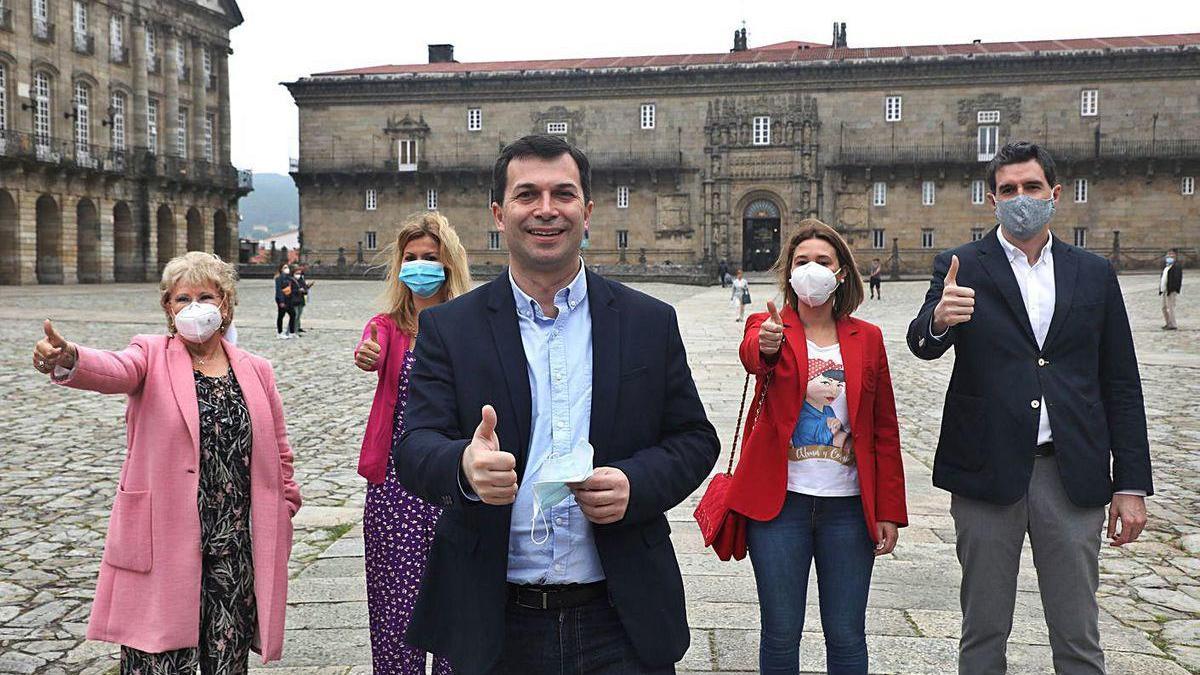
(197,322)
(550,486)
(814,283)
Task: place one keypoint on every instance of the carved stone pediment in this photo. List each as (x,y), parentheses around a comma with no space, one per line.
(1009,107)
(406,127)
(557,113)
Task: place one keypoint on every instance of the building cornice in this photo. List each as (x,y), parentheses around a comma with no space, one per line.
(725,80)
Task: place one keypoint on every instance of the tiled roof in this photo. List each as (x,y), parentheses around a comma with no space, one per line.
(785,52)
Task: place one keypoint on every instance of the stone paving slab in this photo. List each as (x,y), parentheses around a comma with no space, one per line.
(61,450)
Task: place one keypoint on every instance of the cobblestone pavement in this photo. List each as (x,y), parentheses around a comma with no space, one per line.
(60,451)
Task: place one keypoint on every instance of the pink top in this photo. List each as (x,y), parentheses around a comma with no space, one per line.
(377,442)
(148,592)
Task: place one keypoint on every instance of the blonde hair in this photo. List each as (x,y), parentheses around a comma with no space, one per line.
(198,268)
(398,298)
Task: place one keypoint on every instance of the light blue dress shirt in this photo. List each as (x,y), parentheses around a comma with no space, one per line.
(558,352)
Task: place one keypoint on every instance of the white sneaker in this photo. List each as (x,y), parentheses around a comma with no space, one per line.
(283,336)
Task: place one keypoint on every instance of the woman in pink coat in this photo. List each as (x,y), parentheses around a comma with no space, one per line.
(194,573)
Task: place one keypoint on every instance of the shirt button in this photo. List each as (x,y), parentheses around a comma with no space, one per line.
(1041,362)
(558,521)
(1035,404)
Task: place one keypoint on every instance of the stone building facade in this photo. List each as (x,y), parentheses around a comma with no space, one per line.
(114,137)
(703,157)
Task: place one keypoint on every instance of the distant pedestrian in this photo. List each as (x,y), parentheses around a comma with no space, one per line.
(427,267)
(1169,287)
(723,273)
(876,279)
(195,566)
(302,286)
(285,289)
(741,294)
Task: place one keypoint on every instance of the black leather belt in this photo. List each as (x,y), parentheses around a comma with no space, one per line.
(1044,450)
(556,597)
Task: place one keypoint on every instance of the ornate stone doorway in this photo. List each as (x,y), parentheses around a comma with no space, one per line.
(760,235)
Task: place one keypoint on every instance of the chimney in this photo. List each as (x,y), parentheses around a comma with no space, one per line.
(441,54)
(739,40)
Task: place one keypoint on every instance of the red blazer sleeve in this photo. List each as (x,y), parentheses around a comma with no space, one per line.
(890,503)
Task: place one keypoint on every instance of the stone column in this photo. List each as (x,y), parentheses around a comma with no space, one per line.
(108,253)
(68,252)
(169,109)
(221,63)
(136,115)
(27,234)
(199,102)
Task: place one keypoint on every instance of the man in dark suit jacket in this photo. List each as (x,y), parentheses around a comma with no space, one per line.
(511,381)
(1045,393)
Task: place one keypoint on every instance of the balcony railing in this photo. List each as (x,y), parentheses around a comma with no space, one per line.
(83,43)
(439,162)
(119,54)
(1061,151)
(43,30)
(20,146)
(6,19)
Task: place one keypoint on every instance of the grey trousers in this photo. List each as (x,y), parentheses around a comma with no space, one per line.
(1066,546)
(1168,307)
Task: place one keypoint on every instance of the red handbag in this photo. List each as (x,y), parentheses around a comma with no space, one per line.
(723,528)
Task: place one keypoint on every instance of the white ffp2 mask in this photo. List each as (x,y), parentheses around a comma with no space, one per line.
(198,321)
(814,283)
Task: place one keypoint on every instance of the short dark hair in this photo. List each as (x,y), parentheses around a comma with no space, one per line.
(1017,152)
(546,147)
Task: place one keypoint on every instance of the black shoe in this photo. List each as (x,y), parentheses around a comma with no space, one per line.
(301,330)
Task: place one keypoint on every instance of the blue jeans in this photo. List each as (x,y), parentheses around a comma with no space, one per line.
(586,639)
(831,530)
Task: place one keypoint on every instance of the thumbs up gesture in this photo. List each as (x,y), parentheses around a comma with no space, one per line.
(957,303)
(770,332)
(52,350)
(490,471)
(367,354)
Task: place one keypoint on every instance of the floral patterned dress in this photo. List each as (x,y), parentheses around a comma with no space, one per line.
(227,609)
(398,529)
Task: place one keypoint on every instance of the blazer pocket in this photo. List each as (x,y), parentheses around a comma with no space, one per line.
(130,532)
(636,372)
(656,532)
(964,427)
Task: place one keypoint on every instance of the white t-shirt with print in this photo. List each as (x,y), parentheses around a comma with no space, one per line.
(821,449)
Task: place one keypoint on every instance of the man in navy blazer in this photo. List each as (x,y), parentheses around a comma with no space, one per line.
(512,384)
(1045,395)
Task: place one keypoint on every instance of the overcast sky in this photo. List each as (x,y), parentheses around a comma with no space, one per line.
(283,40)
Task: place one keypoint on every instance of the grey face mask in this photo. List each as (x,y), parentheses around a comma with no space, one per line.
(1024,216)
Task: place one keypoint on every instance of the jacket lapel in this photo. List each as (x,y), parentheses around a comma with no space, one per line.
(606,361)
(1066,268)
(994,261)
(183,385)
(506,335)
(850,343)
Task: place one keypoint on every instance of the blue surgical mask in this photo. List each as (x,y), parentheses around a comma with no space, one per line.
(1169,260)
(423,277)
(550,484)
(1024,216)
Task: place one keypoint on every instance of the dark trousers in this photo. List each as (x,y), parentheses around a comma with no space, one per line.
(831,531)
(290,313)
(876,290)
(585,639)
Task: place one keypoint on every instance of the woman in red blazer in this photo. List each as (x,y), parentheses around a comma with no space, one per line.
(820,475)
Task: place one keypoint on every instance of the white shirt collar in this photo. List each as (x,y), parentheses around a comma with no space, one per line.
(1015,253)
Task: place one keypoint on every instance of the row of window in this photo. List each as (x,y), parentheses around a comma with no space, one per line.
(83,42)
(371,240)
(371,198)
(1089,106)
(1187,186)
(879,237)
(646,117)
(81,107)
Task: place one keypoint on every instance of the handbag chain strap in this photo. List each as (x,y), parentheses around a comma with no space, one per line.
(762,399)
